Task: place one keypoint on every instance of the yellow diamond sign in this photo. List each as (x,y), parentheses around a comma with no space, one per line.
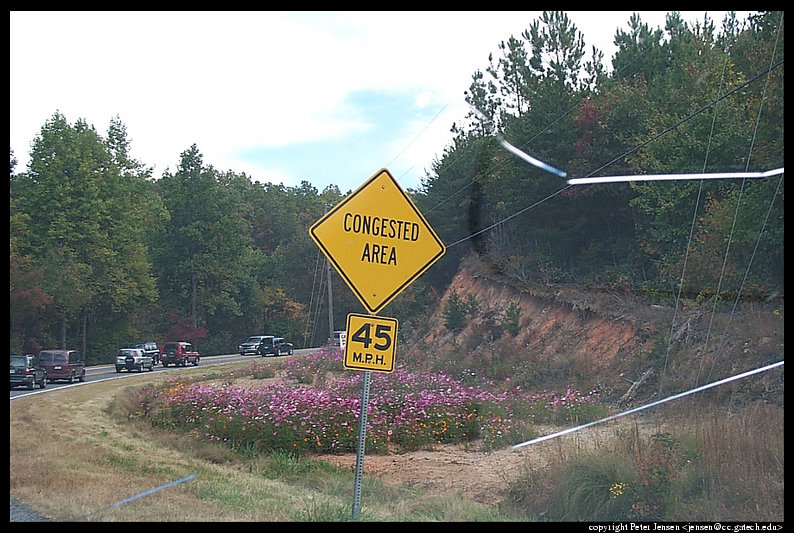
(377,240)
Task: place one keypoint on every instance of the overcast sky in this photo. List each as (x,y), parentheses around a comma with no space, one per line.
(325,97)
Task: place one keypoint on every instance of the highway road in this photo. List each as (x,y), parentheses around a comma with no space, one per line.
(104,372)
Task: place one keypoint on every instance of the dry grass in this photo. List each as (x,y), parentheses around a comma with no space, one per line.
(71,460)
(703,463)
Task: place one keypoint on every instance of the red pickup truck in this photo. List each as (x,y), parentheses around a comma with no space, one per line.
(178,353)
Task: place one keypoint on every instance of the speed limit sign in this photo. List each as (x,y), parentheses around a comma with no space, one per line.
(370,343)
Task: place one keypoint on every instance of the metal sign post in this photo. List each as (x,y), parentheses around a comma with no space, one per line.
(362,436)
(370,346)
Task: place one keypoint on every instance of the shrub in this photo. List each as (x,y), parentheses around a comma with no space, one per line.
(510,321)
(595,487)
(454,312)
(406,410)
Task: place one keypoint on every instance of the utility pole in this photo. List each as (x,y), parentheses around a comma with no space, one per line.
(330,306)
(330,299)
(193,299)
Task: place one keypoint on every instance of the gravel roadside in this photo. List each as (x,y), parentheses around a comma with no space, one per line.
(22,513)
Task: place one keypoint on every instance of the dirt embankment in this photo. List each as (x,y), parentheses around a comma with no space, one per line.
(607,337)
(550,326)
(567,334)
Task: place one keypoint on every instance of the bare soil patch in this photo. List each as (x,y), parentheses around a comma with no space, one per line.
(483,476)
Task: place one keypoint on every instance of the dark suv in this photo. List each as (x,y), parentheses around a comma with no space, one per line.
(63,364)
(149,348)
(254,344)
(26,370)
(275,346)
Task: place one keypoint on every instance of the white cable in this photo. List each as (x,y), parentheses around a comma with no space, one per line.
(513,150)
(661,177)
(698,389)
(529,159)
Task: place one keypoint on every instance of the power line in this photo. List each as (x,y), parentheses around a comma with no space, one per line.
(415,138)
(636,58)
(738,201)
(690,116)
(647,406)
(645,143)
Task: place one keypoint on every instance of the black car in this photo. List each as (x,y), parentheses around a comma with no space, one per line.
(26,370)
(276,346)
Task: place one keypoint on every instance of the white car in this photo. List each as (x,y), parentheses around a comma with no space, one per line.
(133,359)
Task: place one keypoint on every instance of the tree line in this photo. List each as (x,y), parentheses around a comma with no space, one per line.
(103,253)
(678,100)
